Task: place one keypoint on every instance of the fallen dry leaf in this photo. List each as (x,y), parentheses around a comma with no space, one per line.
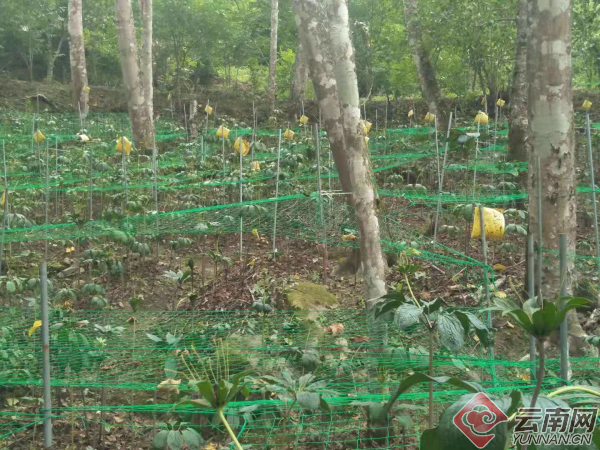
(336,328)
(359,338)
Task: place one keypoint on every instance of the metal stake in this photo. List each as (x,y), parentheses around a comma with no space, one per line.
(486,283)
(593,186)
(5,217)
(276,194)
(531,292)
(538,274)
(320,188)
(439,205)
(46,356)
(241,148)
(564,326)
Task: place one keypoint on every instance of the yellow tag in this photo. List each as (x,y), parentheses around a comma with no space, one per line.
(3,201)
(289,134)
(493,221)
(500,103)
(482,118)
(86,89)
(245,146)
(348,237)
(223,132)
(208,110)
(36,325)
(429,118)
(303,120)
(367,141)
(586,105)
(123,142)
(255,165)
(367,126)
(255,233)
(411,113)
(38,136)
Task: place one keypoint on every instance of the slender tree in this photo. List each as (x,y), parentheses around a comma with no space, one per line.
(325,36)
(299,77)
(77,58)
(272,93)
(138,114)
(422,60)
(551,139)
(146,61)
(517,132)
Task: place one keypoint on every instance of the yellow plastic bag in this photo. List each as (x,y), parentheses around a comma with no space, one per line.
(208,110)
(482,118)
(303,120)
(493,221)
(429,118)
(245,146)
(500,103)
(289,134)
(367,126)
(255,165)
(35,326)
(123,142)
(39,137)
(586,105)
(411,113)
(223,132)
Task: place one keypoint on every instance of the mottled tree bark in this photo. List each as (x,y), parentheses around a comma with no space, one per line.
(551,139)
(310,20)
(517,132)
(427,78)
(300,77)
(359,164)
(79,78)
(147,76)
(325,36)
(52,55)
(140,125)
(272,90)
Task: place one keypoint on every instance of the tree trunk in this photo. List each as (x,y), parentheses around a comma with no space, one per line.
(300,77)
(310,20)
(193,127)
(361,173)
(52,56)
(147,77)
(325,36)
(273,56)
(79,78)
(129,66)
(427,79)
(551,139)
(518,95)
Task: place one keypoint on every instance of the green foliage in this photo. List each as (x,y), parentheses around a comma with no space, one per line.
(539,322)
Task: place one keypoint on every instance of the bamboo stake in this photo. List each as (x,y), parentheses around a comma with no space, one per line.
(276,194)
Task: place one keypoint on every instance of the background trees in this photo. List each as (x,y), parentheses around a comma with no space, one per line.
(471,44)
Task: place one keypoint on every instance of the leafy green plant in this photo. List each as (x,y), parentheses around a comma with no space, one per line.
(305,391)
(216,387)
(451,325)
(176,435)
